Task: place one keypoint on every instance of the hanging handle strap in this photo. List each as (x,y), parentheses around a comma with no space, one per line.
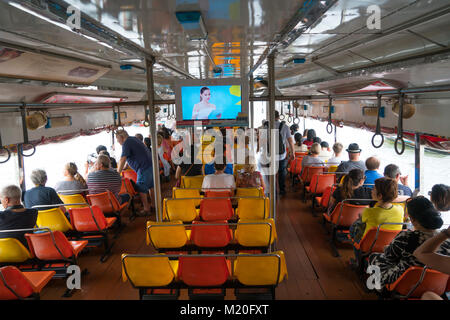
(25,132)
(6,149)
(400,127)
(282,116)
(378,127)
(330,123)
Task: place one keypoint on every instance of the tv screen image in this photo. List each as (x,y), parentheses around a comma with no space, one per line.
(211,102)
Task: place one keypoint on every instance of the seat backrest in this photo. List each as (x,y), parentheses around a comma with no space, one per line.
(88,219)
(217,193)
(130,174)
(323,181)
(180,193)
(49,245)
(249,192)
(269,269)
(255,233)
(433,281)
(252,208)
(203,271)
(375,242)
(296,165)
(299,154)
(326,196)
(344,214)
(210,236)
(213,209)
(106,201)
(127,187)
(136,269)
(72,198)
(169,234)
(192,181)
(13,278)
(13,251)
(180,209)
(308,173)
(332,168)
(54,219)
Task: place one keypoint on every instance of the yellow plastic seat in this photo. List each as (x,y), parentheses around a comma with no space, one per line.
(162,236)
(13,251)
(249,192)
(194,182)
(258,208)
(237,168)
(180,209)
(332,168)
(73,198)
(54,219)
(255,233)
(147,271)
(180,193)
(261,270)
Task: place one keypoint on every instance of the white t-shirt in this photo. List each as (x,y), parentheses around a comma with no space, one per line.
(221,180)
(324,155)
(334,161)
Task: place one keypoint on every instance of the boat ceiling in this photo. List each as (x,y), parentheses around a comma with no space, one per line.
(410,50)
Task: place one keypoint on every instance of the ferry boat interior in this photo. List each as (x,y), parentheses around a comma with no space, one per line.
(76,69)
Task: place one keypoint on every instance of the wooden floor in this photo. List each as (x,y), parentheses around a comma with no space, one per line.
(313,273)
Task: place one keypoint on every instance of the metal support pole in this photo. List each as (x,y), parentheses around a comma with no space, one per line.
(252,112)
(152,126)
(271,117)
(419,174)
(21,163)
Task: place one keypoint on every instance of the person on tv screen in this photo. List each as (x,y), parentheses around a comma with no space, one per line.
(203,109)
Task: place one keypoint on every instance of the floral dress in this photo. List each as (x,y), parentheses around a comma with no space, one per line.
(398,256)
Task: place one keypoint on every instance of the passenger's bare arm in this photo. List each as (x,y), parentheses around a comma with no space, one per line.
(427,255)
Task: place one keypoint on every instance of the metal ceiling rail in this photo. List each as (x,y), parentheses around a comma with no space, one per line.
(310,12)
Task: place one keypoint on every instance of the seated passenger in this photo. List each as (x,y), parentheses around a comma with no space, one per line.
(299,146)
(188,167)
(325,152)
(317,140)
(209,168)
(372,165)
(103,178)
(248,177)
(354,153)
(15,215)
(351,188)
(219,181)
(313,159)
(384,191)
(101,148)
(40,194)
(310,137)
(166,164)
(393,171)
(73,181)
(398,256)
(294,129)
(305,134)
(336,159)
(440,196)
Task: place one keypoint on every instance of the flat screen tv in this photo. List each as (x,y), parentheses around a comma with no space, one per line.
(218,102)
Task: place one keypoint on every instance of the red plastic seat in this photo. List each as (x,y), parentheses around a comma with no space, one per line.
(90,219)
(210,236)
(15,284)
(409,284)
(309,172)
(215,209)
(130,174)
(319,182)
(51,246)
(372,242)
(296,166)
(127,187)
(217,194)
(203,271)
(107,202)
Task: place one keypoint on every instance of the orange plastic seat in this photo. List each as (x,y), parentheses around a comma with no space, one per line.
(210,236)
(374,241)
(54,246)
(217,194)
(324,200)
(415,281)
(296,165)
(130,174)
(215,209)
(203,271)
(90,219)
(342,217)
(15,284)
(309,172)
(319,182)
(108,204)
(299,154)
(127,187)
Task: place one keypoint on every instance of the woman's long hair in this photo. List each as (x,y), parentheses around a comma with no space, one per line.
(351,180)
(72,169)
(201,92)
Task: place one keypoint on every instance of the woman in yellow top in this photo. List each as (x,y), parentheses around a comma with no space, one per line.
(385,191)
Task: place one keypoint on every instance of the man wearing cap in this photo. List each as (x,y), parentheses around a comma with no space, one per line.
(354,152)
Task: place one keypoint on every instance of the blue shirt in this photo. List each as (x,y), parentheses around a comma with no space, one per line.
(209,168)
(137,153)
(371,176)
(404,190)
(41,195)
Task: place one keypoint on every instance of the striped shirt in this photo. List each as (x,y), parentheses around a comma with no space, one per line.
(102,180)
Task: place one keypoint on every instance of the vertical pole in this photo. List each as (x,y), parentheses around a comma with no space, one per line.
(252,112)
(419,174)
(152,128)
(271,117)
(21,163)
